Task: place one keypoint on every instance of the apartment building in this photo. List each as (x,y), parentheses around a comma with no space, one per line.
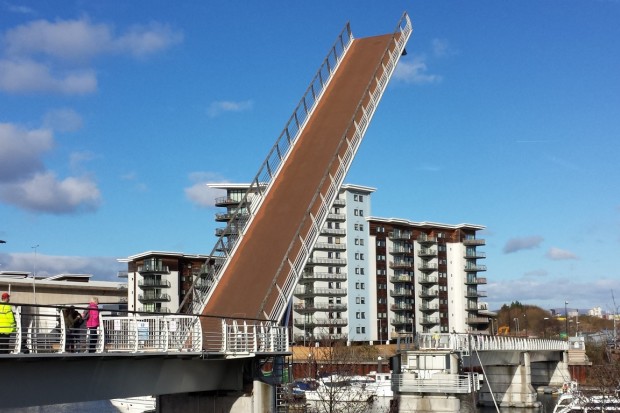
(426,277)
(157,281)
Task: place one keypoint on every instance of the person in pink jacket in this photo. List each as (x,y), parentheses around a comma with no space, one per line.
(91,315)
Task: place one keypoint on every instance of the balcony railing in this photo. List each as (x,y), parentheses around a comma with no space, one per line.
(336,217)
(339,202)
(144,298)
(320,292)
(302,307)
(330,246)
(401,264)
(401,320)
(476,280)
(326,261)
(475,293)
(401,307)
(333,231)
(427,252)
(471,267)
(476,320)
(153,268)
(401,250)
(224,201)
(432,266)
(401,292)
(429,308)
(428,293)
(402,278)
(153,283)
(475,254)
(399,235)
(473,241)
(428,279)
(426,239)
(429,320)
(323,276)
(320,322)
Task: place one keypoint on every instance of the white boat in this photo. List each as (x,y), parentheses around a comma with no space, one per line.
(338,392)
(382,384)
(574,401)
(140,404)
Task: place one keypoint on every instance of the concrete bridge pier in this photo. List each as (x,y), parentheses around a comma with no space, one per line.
(428,403)
(511,385)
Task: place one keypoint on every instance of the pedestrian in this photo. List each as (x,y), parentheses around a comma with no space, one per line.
(7,325)
(91,315)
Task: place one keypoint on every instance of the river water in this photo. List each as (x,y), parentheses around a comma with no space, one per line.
(104,406)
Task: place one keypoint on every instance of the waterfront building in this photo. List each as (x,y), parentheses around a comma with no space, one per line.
(426,278)
(61,289)
(157,281)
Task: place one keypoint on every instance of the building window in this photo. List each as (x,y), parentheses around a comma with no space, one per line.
(355,197)
(361,271)
(356,212)
(361,198)
(361,212)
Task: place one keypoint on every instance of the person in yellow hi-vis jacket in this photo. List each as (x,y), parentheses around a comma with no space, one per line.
(7,325)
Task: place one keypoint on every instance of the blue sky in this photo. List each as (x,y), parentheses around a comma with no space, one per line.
(114,116)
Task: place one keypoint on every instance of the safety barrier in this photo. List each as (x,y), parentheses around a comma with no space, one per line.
(42,330)
(486,342)
(439,383)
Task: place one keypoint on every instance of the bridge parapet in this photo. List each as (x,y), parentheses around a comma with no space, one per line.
(42,330)
(484,342)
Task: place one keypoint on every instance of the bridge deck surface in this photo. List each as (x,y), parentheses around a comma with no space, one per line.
(248,279)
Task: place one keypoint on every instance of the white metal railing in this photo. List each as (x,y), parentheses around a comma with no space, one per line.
(485,342)
(260,185)
(438,383)
(42,330)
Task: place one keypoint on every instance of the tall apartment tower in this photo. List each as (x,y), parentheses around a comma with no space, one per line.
(333,297)
(426,277)
(157,281)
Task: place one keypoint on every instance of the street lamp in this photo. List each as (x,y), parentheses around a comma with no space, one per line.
(34,274)
(566,317)
(545,327)
(516,320)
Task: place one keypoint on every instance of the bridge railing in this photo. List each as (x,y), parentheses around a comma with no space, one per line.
(42,330)
(485,342)
(438,383)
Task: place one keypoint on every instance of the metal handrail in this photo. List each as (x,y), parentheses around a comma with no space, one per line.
(485,342)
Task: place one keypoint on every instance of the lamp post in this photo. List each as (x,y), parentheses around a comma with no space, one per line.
(566,317)
(516,320)
(545,327)
(34,274)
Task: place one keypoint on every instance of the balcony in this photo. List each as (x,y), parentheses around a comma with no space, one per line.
(157,269)
(428,308)
(429,320)
(226,231)
(225,201)
(339,202)
(427,252)
(323,276)
(326,261)
(428,279)
(401,292)
(308,308)
(227,216)
(333,231)
(336,217)
(401,250)
(472,267)
(399,235)
(427,266)
(474,242)
(320,322)
(153,283)
(475,294)
(429,294)
(330,246)
(475,254)
(402,278)
(401,265)
(151,298)
(153,310)
(476,280)
(302,292)
(401,321)
(401,307)
(476,320)
(427,239)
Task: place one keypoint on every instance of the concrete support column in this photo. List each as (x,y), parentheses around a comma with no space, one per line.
(409,403)
(511,385)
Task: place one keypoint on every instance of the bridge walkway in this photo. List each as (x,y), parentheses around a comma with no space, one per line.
(269,258)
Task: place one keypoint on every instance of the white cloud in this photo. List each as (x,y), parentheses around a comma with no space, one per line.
(415,72)
(63,120)
(557,254)
(199,193)
(441,48)
(67,44)
(25,182)
(44,192)
(526,243)
(217,108)
(25,75)
(21,150)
